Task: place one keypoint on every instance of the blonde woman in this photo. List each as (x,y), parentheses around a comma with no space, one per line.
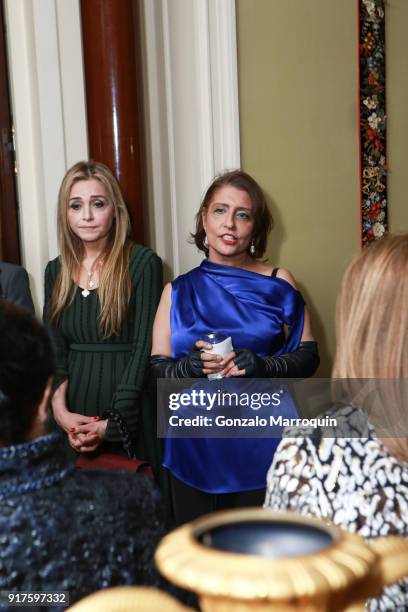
(101,295)
(360,482)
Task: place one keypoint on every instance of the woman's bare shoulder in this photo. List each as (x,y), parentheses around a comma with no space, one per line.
(263,268)
(284,274)
(165,300)
(266,269)
(167,290)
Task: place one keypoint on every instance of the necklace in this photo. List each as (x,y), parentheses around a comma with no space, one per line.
(90,281)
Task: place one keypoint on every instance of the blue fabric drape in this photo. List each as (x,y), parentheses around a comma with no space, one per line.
(252,309)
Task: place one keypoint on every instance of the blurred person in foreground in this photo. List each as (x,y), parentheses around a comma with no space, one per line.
(61,529)
(360,480)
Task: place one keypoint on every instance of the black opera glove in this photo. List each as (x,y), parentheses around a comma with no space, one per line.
(247,360)
(190,366)
(301,363)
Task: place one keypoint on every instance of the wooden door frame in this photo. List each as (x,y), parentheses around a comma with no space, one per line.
(9,232)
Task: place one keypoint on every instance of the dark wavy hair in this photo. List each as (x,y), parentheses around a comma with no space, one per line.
(263,218)
(26,364)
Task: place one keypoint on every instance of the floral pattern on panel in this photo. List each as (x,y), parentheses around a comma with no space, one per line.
(373,121)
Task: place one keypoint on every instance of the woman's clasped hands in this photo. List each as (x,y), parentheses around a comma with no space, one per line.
(87,436)
(242,362)
(85,433)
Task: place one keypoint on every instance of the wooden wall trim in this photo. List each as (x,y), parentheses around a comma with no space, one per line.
(113,91)
(9,235)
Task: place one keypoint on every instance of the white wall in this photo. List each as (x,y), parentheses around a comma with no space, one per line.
(48,105)
(191,106)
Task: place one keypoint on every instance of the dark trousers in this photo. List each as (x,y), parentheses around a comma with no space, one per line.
(189,503)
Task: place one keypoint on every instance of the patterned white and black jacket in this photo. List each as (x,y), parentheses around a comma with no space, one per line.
(353,481)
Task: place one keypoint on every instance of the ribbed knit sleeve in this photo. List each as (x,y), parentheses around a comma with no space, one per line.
(58,342)
(146,278)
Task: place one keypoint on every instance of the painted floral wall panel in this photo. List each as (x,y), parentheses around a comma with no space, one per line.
(374,222)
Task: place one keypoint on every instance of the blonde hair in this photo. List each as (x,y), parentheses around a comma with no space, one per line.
(372,327)
(114,281)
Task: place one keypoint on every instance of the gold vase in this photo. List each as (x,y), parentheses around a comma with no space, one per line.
(340,574)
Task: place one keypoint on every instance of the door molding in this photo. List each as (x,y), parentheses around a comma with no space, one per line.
(48,107)
(192,114)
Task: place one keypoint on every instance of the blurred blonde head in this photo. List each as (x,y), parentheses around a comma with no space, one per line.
(114,282)
(372,330)
(372,313)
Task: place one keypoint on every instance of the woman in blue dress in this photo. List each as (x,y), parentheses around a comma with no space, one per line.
(261,309)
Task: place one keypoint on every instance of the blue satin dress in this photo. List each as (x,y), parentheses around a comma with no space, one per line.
(252,308)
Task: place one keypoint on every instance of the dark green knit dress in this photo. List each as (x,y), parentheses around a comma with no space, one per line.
(106,373)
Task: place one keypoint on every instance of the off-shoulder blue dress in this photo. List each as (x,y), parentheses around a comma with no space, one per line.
(253,309)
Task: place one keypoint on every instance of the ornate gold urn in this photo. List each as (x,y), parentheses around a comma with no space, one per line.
(257,560)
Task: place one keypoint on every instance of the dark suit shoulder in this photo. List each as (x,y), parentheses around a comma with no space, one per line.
(15,285)
(11,269)
(11,274)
